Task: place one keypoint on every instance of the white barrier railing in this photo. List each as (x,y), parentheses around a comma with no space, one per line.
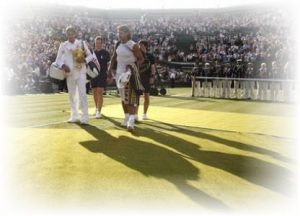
(277,90)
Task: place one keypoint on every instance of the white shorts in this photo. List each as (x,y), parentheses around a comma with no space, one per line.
(122,93)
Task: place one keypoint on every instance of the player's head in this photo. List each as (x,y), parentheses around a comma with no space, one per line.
(124,33)
(71,33)
(143,45)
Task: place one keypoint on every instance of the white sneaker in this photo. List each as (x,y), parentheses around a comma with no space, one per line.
(96,110)
(124,123)
(98,115)
(130,123)
(144,116)
(84,122)
(73,120)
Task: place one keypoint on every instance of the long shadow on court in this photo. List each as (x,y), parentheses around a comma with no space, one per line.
(268,175)
(151,160)
(218,139)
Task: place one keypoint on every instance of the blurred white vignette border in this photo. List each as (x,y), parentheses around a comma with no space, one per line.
(10,8)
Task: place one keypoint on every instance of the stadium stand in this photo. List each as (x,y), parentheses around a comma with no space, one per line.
(178,39)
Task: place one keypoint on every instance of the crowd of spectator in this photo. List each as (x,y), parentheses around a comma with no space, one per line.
(215,38)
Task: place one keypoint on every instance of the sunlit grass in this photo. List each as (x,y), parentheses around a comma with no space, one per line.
(195,153)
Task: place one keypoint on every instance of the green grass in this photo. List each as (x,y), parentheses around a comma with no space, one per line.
(194,153)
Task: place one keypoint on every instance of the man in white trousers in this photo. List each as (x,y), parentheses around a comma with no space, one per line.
(72,57)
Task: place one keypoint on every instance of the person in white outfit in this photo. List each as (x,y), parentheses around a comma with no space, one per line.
(263,85)
(286,86)
(72,57)
(249,84)
(126,53)
(274,86)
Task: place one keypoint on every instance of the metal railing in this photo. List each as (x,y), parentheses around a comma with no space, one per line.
(277,90)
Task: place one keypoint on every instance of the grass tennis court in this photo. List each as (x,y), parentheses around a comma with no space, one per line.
(196,153)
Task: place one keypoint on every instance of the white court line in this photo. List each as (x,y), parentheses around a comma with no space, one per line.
(43,125)
(209,129)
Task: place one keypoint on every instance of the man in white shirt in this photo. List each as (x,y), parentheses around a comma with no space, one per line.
(125,55)
(72,57)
